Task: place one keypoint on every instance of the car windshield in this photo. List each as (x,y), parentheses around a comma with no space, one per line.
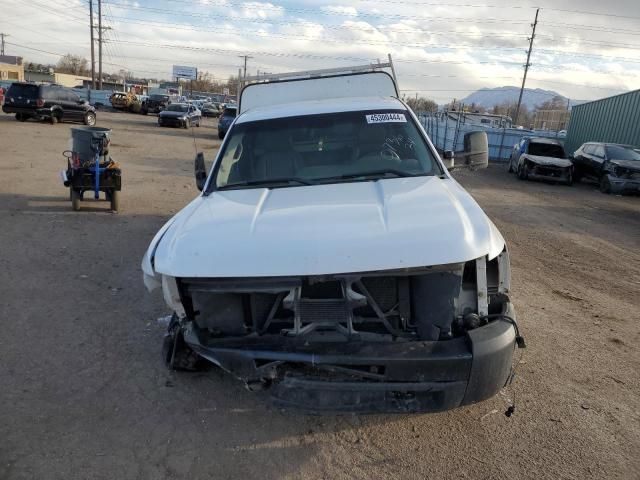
(618,152)
(546,150)
(22,90)
(159,98)
(328,148)
(176,107)
(229,112)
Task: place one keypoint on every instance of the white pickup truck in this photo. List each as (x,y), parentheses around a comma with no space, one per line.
(333,260)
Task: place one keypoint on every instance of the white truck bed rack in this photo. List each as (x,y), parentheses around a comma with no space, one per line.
(309,85)
(305,74)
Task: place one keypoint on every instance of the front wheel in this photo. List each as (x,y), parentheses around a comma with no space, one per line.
(605,184)
(187,123)
(523,174)
(569,180)
(90,119)
(510,169)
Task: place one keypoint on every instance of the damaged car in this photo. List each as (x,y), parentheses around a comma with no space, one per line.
(539,158)
(615,167)
(332,260)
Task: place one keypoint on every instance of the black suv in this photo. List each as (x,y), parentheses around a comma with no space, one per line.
(157,103)
(47,102)
(616,167)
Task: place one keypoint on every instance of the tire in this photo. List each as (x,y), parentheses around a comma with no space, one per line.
(75,200)
(577,175)
(187,124)
(605,185)
(54,118)
(90,119)
(144,111)
(198,124)
(569,181)
(114,198)
(521,172)
(510,170)
(21,117)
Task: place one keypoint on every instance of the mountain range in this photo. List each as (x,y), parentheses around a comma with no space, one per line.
(490,97)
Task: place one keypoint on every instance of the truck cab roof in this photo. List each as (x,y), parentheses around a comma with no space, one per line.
(316,107)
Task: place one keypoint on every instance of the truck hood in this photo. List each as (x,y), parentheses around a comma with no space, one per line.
(632,165)
(170,114)
(325,229)
(552,161)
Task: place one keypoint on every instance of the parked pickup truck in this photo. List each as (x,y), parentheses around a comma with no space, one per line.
(333,260)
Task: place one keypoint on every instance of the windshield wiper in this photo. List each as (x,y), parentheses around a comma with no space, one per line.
(373,173)
(267,182)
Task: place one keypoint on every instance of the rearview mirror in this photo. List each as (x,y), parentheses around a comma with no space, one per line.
(200,171)
(476,151)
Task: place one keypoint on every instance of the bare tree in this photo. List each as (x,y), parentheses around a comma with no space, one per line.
(73,64)
(556,103)
(422,104)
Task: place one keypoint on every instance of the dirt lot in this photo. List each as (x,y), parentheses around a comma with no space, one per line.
(84,393)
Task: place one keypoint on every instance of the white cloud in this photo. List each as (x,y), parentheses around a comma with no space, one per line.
(340,10)
(261,10)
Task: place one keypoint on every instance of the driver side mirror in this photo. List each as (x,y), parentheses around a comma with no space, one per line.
(200,171)
(448,159)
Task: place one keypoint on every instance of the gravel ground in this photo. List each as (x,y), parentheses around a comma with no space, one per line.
(84,393)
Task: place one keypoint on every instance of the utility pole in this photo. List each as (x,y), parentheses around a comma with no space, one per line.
(2,35)
(100,44)
(93,57)
(526,66)
(246,57)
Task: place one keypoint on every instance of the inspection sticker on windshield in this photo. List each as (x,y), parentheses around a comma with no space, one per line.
(386,118)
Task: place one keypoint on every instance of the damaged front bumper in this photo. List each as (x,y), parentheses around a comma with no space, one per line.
(549,173)
(623,185)
(368,377)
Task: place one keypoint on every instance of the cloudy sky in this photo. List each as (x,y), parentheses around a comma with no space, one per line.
(584,49)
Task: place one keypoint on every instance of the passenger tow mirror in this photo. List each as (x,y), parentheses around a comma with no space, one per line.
(476,151)
(200,171)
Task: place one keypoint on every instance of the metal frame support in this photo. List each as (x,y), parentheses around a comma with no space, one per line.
(270,77)
(481,282)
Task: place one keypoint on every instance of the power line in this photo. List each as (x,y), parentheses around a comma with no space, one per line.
(371,28)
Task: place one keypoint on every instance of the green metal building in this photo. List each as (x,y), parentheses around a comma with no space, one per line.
(614,119)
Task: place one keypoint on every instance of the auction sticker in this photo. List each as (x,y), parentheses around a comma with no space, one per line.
(386,118)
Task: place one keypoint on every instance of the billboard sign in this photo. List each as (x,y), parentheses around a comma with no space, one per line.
(190,73)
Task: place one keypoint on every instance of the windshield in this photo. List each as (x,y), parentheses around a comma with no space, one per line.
(229,112)
(617,152)
(546,150)
(176,108)
(159,98)
(326,148)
